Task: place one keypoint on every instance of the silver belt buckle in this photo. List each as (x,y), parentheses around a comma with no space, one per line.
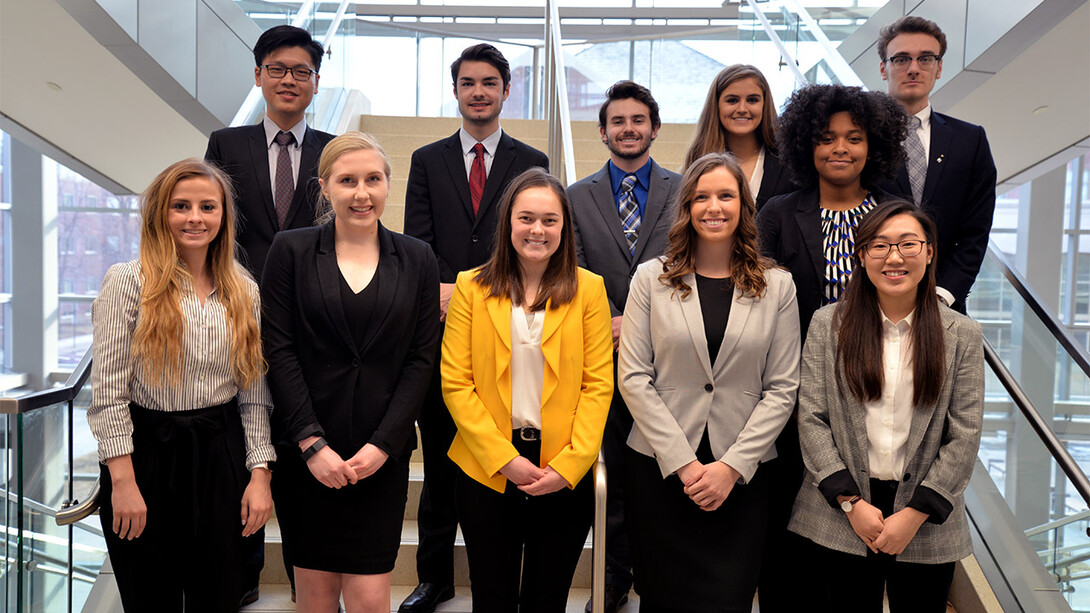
(529,433)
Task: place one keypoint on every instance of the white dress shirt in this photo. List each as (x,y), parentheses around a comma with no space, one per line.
(527,367)
(491,143)
(295,150)
(889,418)
(758,174)
(924,132)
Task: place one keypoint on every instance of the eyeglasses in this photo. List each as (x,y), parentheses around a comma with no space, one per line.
(925,62)
(298,73)
(879,250)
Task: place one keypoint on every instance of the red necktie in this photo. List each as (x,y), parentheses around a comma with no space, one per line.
(477,177)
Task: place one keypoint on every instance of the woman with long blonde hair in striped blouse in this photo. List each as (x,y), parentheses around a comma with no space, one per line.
(180,407)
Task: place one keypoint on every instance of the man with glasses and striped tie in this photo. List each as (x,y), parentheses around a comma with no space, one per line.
(949,171)
(273,166)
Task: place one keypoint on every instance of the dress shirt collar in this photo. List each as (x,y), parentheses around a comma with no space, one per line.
(925,117)
(616,175)
(904,325)
(271,130)
(491,142)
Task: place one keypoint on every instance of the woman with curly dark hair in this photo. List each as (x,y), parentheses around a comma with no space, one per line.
(739,117)
(838,143)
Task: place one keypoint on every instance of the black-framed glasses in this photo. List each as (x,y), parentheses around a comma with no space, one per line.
(880,250)
(299,73)
(925,62)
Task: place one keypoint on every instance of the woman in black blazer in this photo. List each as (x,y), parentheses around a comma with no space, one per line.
(350,332)
(837,143)
(739,117)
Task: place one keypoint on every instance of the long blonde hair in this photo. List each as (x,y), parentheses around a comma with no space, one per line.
(158,340)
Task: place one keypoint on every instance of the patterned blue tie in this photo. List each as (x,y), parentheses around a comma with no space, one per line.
(629,211)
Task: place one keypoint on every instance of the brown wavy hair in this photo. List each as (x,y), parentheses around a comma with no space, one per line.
(859,322)
(502,275)
(709,135)
(747,264)
(157,343)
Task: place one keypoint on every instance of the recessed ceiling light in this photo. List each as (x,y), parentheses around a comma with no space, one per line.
(1041,110)
(53,86)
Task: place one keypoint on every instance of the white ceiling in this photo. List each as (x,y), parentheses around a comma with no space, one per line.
(87,109)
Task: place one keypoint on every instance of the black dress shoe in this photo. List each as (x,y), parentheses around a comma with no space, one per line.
(426,597)
(249,597)
(616,598)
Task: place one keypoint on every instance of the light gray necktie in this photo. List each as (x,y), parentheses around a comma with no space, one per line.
(917,160)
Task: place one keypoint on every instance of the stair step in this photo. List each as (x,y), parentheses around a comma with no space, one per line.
(276,598)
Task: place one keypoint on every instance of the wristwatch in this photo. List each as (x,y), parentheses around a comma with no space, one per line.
(845,506)
(314,448)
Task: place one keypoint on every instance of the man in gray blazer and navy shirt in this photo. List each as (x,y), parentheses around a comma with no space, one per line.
(623,214)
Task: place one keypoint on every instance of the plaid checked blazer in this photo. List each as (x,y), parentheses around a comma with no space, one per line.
(942,443)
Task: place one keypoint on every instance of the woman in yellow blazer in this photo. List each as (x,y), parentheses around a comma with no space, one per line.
(527,373)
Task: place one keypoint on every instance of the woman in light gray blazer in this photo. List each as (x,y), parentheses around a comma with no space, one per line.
(890,412)
(708,365)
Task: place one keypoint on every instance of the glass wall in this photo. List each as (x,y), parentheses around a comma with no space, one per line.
(5,252)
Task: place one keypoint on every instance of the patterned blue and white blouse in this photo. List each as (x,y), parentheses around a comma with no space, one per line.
(838,232)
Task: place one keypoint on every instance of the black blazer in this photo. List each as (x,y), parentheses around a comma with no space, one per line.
(959,195)
(774,182)
(599,242)
(789,230)
(242,153)
(438,209)
(322,383)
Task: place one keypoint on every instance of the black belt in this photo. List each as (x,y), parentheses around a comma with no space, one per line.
(527,433)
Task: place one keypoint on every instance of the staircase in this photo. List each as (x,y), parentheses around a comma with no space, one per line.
(276,592)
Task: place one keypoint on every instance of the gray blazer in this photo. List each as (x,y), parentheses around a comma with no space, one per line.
(942,443)
(673,390)
(599,242)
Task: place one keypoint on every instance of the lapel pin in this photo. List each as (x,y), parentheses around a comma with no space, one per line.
(941,158)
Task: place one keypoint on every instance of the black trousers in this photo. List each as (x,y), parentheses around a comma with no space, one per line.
(190,468)
(861,580)
(437,518)
(544,535)
(782,589)
(614,449)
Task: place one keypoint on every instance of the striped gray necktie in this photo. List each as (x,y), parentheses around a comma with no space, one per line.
(629,211)
(917,160)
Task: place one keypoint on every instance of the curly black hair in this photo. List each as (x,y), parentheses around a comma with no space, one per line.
(806,114)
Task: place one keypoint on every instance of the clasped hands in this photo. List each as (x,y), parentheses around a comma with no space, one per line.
(331,470)
(886,534)
(708,485)
(532,480)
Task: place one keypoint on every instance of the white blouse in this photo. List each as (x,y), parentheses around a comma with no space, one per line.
(889,418)
(527,367)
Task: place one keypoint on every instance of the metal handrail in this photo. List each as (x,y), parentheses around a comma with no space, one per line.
(50,397)
(1040,426)
(598,540)
(72,512)
(1055,327)
(560,134)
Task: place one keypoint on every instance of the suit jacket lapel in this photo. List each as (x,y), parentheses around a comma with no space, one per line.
(259,156)
(499,311)
(921,416)
(602,193)
(502,159)
(308,161)
(736,324)
(808,217)
(551,348)
(656,202)
(694,321)
(456,165)
(941,136)
(388,274)
(329,278)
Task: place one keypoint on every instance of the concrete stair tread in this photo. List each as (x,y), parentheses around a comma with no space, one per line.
(276,598)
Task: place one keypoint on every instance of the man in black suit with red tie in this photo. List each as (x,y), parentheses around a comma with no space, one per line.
(273,166)
(949,171)
(450,203)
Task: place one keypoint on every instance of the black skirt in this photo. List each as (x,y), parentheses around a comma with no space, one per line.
(687,559)
(355,530)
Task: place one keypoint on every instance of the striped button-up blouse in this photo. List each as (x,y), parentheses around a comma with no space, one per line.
(207,369)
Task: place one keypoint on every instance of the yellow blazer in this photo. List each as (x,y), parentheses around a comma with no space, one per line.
(577,342)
